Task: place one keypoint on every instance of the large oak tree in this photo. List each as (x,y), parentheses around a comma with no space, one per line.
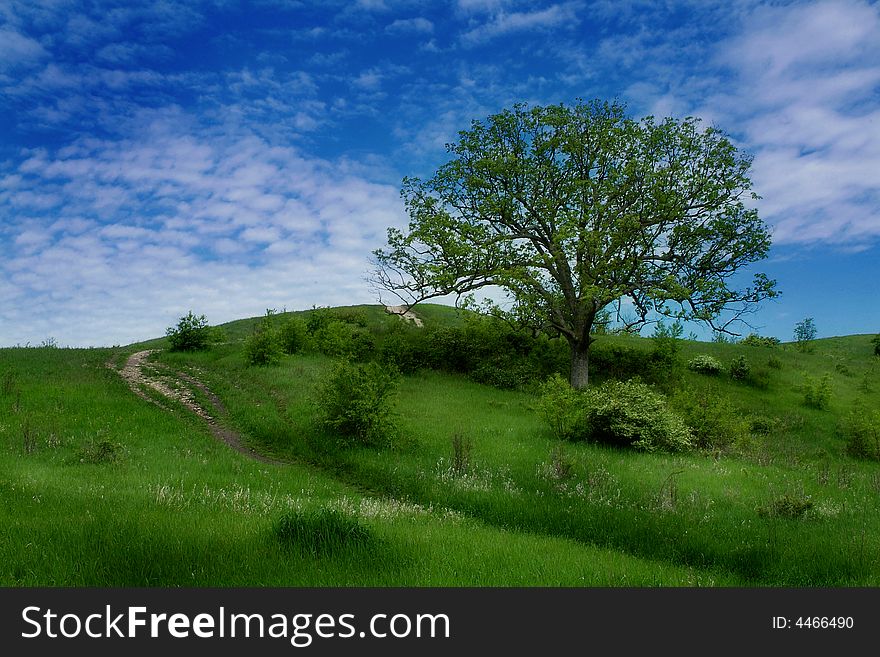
(574,210)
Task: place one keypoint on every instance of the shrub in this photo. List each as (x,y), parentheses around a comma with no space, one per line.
(805,333)
(355,401)
(861,429)
(755,340)
(817,393)
(342,340)
(763,425)
(774,362)
(786,506)
(739,368)
(705,364)
(712,419)
(561,407)
(96,452)
(321,532)
(262,347)
(318,318)
(403,349)
(356,317)
(623,413)
(759,378)
(876,342)
(618,361)
(192,333)
(293,336)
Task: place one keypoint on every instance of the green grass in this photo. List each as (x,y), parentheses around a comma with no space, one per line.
(102,488)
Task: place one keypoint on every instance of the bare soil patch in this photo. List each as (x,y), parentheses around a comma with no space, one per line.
(142,376)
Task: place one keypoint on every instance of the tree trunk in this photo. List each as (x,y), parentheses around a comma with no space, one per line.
(580,365)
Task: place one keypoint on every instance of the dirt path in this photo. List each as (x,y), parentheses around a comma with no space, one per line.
(404,313)
(142,376)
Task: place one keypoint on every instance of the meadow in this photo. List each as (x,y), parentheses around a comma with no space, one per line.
(102,487)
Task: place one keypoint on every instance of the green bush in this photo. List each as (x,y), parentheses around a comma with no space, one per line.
(759,378)
(622,413)
(355,401)
(96,452)
(293,337)
(192,333)
(774,362)
(861,429)
(739,368)
(666,344)
(876,342)
(321,532)
(804,334)
(705,364)
(562,407)
(817,393)
(712,419)
(491,352)
(343,340)
(790,506)
(262,347)
(755,340)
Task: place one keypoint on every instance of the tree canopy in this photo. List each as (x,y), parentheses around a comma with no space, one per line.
(575,210)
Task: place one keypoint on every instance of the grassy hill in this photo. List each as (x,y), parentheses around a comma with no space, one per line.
(105,487)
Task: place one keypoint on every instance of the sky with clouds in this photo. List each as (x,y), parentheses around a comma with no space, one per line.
(228,157)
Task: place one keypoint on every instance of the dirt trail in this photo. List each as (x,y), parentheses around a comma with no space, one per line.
(141,375)
(404,313)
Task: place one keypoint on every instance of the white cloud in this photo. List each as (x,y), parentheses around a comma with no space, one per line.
(169,220)
(18,50)
(417,25)
(806,103)
(503,23)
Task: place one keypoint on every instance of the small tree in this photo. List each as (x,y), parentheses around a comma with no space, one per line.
(262,347)
(804,333)
(356,402)
(876,343)
(191,333)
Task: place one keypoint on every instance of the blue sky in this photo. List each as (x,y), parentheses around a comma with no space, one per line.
(230,157)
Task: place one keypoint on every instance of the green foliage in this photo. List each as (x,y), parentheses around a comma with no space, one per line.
(355,401)
(759,378)
(96,452)
(664,353)
(876,342)
(619,361)
(486,349)
(622,413)
(755,340)
(789,505)
(705,364)
(322,532)
(817,392)
(462,448)
(562,407)
(403,349)
(262,347)
(343,340)
(713,420)
(861,429)
(490,216)
(293,336)
(805,333)
(317,318)
(774,362)
(739,368)
(191,333)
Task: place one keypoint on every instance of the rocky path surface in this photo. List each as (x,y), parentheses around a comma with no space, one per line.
(404,313)
(143,376)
